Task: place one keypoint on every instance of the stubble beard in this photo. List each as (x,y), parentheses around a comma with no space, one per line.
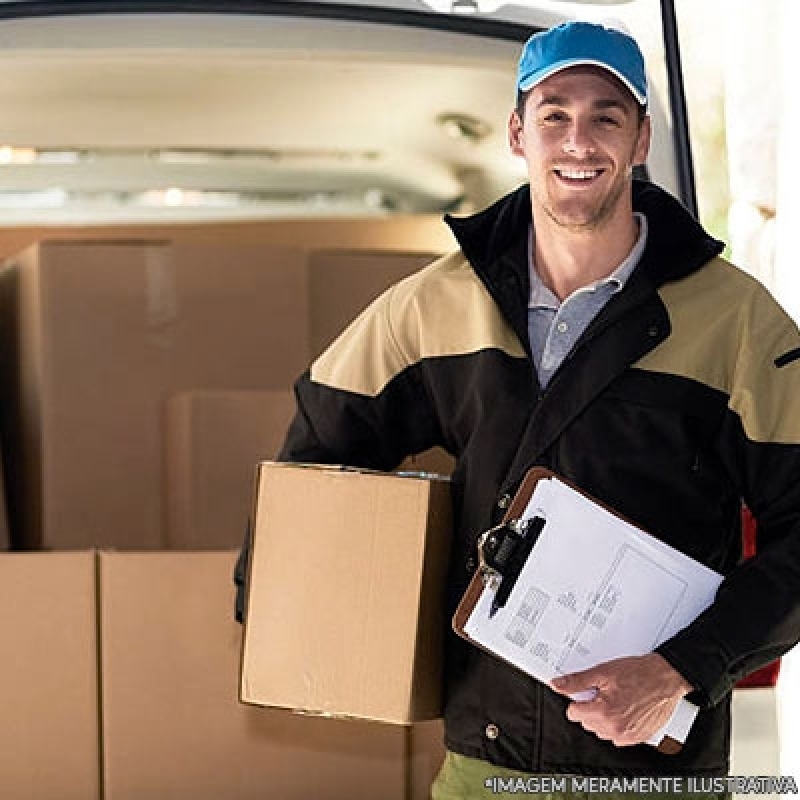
(584,217)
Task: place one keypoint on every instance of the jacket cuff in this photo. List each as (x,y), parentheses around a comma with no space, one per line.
(705,668)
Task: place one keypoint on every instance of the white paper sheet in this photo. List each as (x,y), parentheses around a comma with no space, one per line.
(594,588)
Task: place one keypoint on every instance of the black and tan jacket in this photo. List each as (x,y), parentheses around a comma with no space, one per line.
(680,400)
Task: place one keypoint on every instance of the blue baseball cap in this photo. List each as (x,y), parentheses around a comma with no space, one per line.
(574,43)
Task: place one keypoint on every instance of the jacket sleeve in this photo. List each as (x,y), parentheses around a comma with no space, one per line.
(363,403)
(756,614)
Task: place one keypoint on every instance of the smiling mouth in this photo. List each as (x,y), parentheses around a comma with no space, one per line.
(579,176)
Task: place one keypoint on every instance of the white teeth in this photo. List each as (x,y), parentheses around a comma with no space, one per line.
(579,174)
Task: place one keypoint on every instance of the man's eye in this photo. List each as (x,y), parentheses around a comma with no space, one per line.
(608,121)
(555,116)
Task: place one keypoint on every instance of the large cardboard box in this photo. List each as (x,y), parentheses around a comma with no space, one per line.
(173,726)
(215,439)
(49,742)
(103,335)
(345,605)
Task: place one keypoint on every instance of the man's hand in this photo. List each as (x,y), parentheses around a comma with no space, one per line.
(635,697)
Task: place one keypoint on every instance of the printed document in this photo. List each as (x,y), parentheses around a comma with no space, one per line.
(594,588)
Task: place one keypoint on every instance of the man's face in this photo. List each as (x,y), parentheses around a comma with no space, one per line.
(580,138)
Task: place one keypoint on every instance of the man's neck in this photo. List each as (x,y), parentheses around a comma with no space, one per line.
(568,260)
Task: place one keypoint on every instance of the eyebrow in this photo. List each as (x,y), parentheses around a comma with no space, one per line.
(598,105)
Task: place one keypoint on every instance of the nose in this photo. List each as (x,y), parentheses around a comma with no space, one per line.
(578,139)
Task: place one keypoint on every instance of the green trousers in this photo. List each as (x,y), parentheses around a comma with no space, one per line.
(463,778)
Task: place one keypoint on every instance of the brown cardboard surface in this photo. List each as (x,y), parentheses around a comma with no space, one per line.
(214,441)
(426,753)
(345,605)
(410,233)
(173,727)
(105,334)
(343,283)
(49,746)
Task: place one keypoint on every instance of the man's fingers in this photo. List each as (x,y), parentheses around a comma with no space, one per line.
(593,719)
(635,698)
(580,686)
(576,714)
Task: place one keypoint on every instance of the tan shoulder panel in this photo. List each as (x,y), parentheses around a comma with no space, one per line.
(441,310)
(727,331)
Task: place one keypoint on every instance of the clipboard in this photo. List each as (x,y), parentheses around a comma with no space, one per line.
(497,548)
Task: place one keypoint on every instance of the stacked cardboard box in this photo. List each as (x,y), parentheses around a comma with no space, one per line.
(106,334)
(142,379)
(119,680)
(214,441)
(172,723)
(101,337)
(48,677)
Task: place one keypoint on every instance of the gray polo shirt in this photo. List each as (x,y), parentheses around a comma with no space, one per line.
(554,327)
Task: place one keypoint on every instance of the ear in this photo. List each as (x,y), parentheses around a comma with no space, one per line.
(516,135)
(643,142)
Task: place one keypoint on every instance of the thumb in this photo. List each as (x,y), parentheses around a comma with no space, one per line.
(580,686)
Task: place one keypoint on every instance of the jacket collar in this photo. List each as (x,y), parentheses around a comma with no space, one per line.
(676,243)
(495,243)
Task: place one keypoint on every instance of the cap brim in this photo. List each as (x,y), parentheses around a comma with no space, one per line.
(538,77)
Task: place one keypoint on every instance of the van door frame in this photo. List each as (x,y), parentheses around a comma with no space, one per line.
(678,108)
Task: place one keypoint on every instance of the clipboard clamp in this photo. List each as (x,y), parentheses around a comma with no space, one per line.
(503,551)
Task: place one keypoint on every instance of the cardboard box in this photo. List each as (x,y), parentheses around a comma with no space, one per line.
(49,742)
(173,726)
(215,439)
(346,593)
(103,335)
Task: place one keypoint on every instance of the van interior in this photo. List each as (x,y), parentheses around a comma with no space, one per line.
(192,206)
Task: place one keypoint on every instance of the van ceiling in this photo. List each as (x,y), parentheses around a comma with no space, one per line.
(292,114)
